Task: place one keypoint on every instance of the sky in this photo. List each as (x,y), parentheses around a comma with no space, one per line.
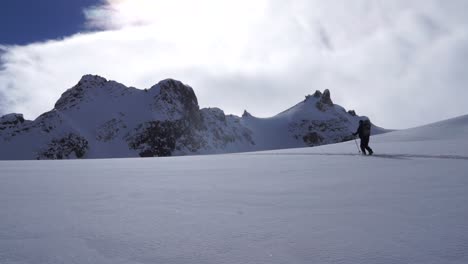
(402,62)
(26,21)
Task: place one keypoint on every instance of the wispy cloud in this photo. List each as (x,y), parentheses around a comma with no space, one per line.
(400,62)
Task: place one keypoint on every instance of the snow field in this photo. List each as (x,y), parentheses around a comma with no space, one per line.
(407,204)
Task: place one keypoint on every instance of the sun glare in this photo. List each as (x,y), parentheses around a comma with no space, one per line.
(201,17)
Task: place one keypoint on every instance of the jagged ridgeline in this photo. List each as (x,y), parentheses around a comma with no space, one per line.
(98,118)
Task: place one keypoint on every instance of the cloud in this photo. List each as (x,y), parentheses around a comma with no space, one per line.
(399,62)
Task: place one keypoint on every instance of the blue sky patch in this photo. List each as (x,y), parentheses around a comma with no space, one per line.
(27,21)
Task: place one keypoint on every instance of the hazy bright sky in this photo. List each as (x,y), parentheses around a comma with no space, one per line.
(400,62)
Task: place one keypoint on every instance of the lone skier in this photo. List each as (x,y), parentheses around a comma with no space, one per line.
(364,132)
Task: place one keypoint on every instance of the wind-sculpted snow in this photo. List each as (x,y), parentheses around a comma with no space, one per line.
(327,205)
(109,120)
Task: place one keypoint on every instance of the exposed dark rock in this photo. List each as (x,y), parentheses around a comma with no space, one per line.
(179,99)
(246,114)
(63,148)
(326,98)
(11,120)
(160,138)
(317,94)
(347,138)
(325,101)
(329,131)
(312,139)
(352,112)
(175,90)
(109,130)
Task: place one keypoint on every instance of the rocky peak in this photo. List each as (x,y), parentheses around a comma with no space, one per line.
(246,114)
(91,80)
(317,94)
(11,120)
(326,98)
(178,98)
(321,100)
(74,95)
(173,89)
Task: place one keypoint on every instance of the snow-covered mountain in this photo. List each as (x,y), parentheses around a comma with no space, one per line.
(98,118)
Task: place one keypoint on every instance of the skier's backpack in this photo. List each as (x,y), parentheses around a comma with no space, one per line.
(366,128)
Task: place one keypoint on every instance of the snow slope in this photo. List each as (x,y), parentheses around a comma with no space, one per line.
(447,138)
(407,204)
(98,118)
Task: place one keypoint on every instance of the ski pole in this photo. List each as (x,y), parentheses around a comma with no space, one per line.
(355,141)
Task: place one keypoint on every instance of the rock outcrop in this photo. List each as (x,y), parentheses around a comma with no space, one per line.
(70,146)
(324,101)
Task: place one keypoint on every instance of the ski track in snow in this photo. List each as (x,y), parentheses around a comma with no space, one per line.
(387,156)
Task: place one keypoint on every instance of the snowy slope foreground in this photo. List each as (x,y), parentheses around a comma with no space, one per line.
(105,119)
(407,204)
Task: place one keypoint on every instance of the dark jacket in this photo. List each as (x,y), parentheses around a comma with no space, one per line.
(364,129)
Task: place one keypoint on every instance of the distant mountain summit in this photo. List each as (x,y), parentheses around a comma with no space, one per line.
(98,118)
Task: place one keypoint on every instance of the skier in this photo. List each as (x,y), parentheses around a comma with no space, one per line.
(364,132)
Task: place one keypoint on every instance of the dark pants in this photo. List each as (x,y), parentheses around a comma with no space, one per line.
(365,145)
